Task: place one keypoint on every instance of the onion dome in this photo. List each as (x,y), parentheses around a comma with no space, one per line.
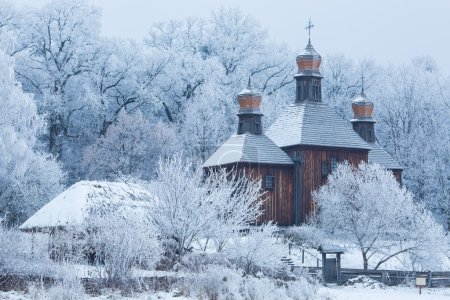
(362,108)
(308,61)
(249,100)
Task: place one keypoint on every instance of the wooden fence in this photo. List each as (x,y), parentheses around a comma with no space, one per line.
(388,277)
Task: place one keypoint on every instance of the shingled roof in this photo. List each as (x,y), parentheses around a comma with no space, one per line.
(314,124)
(248,148)
(380,156)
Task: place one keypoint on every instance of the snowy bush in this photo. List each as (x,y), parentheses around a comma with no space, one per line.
(119,247)
(305,235)
(69,288)
(258,250)
(217,282)
(302,289)
(24,254)
(199,261)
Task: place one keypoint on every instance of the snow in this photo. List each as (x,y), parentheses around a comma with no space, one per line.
(73,206)
(173,295)
(397,293)
(332,292)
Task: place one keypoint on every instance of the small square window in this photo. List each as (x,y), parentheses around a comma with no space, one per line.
(269,182)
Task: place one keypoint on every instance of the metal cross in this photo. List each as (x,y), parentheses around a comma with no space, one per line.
(308,27)
(362,80)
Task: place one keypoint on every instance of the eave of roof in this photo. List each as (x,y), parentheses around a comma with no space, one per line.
(248,148)
(380,156)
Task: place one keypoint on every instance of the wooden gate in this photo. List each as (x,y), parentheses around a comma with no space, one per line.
(330,275)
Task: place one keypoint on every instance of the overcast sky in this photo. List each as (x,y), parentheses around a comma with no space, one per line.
(384,30)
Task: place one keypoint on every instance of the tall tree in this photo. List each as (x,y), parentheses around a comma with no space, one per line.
(28,178)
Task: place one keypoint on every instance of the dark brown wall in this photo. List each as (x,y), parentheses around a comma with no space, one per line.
(279,202)
(310,171)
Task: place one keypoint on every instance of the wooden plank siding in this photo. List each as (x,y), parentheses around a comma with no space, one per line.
(310,171)
(279,203)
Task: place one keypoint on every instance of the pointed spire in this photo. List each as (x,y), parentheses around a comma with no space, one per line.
(249,83)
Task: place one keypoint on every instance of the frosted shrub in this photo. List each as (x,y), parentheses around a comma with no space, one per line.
(258,250)
(301,289)
(262,289)
(305,235)
(217,282)
(69,288)
(22,253)
(120,247)
(199,261)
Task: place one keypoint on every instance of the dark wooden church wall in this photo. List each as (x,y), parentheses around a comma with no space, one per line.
(311,177)
(279,202)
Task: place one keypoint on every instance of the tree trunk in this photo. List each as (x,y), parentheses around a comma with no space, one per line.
(365,260)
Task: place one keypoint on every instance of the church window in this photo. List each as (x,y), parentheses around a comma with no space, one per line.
(316,89)
(370,135)
(333,164)
(324,168)
(269,182)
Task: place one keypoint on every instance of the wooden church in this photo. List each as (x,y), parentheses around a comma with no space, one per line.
(305,143)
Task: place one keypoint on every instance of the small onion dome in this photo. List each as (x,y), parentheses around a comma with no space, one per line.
(362,109)
(308,61)
(249,100)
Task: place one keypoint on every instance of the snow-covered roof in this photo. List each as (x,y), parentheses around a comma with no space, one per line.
(330,248)
(314,124)
(380,156)
(248,148)
(88,199)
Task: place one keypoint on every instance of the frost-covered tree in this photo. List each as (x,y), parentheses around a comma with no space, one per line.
(205,125)
(414,127)
(60,45)
(130,147)
(189,205)
(368,207)
(342,81)
(28,178)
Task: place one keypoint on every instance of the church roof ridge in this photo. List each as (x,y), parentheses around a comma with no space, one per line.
(314,124)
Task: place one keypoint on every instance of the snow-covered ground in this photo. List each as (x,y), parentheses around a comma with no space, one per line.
(397,293)
(330,292)
(14,295)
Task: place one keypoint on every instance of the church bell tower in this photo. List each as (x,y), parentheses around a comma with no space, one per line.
(308,77)
(249,113)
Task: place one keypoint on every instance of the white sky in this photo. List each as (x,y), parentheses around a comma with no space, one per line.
(384,30)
